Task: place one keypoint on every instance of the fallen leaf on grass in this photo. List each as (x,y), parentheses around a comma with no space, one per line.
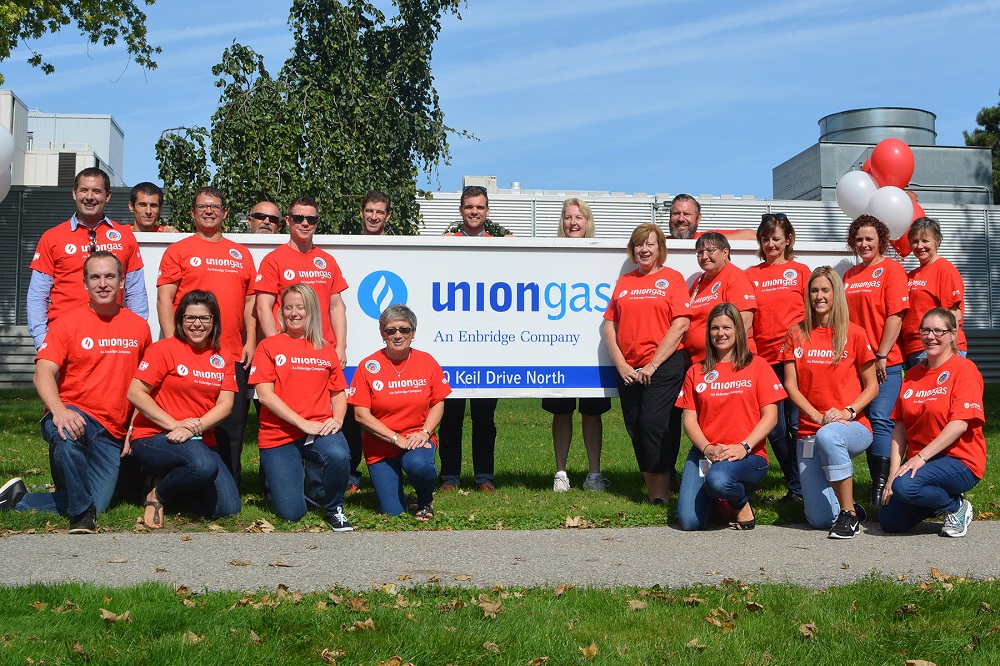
(395,661)
(335,598)
(936,574)
(185,538)
(434,579)
(901,577)
(561,589)
(358,625)
(191,638)
(401,602)
(590,651)
(490,607)
(405,577)
(539,661)
(240,563)
(908,609)
(188,603)
(808,630)
(919,662)
(112,618)
(753,606)
(491,647)
(259,526)
(694,644)
(454,604)
(576,521)
(463,577)
(985,607)
(79,651)
(636,604)
(357,604)
(215,528)
(721,619)
(330,656)
(693,600)
(389,588)
(255,639)
(39,605)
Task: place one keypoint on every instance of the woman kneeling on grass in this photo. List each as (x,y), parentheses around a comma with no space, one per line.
(398,397)
(184,388)
(939,426)
(730,405)
(302,390)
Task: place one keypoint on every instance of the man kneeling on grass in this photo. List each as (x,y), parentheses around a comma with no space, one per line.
(82,372)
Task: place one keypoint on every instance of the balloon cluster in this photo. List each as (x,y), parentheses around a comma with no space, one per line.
(6,159)
(878,190)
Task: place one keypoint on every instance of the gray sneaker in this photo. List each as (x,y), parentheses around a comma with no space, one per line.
(957,524)
(596,483)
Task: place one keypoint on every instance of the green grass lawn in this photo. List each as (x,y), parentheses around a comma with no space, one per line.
(524,469)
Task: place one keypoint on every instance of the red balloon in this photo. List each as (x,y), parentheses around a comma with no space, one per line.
(892,163)
(918,212)
(867,166)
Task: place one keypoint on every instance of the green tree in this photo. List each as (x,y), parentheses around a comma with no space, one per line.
(101,21)
(352,109)
(988,135)
(182,156)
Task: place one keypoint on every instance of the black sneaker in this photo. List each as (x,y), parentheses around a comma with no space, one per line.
(846,527)
(11,493)
(85,523)
(338,520)
(860,512)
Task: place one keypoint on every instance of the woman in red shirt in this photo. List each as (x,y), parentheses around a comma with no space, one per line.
(780,283)
(830,375)
(939,432)
(644,328)
(183,388)
(398,397)
(302,392)
(729,402)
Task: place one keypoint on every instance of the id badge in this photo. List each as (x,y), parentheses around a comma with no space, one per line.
(808,446)
(703,466)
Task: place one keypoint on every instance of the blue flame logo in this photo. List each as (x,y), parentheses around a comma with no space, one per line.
(379,290)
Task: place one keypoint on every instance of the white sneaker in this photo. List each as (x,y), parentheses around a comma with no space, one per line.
(596,482)
(560,483)
(957,524)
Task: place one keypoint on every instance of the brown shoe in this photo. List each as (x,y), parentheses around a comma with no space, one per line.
(447,488)
(487,487)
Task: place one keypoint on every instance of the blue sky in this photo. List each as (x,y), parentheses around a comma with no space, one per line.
(623,95)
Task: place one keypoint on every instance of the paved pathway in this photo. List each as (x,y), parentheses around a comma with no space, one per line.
(591,557)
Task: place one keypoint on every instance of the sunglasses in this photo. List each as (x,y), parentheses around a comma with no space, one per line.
(777,216)
(405,330)
(92,235)
(273,219)
(313,220)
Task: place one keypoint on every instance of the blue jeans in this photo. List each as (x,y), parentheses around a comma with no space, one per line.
(783,437)
(88,467)
(191,472)
(880,410)
(937,488)
(387,479)
(729,480)
(283,468)
(835,445)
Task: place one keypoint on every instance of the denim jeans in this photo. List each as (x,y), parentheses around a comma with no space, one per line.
(834,446)
(283,468)
(937,488)
(731,480)
(880,410)
(387,479)
(88,467)
(783,436)
(484,439)
(191,472)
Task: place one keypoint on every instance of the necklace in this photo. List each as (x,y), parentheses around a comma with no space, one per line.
(399,373)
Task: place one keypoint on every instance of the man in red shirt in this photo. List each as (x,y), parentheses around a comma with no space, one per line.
(207,260)
(82,372)
(685,214)
(145,202)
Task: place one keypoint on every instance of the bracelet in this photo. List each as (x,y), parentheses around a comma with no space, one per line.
(395,438)
(881,357)
(922,458)
(425,431)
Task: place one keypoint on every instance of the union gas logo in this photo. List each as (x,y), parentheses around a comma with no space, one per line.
(378,385)
(623,294)
(790,275)
(380,289)
(87,343)
(373,366)
(195,261)
(716,287)
(877,273)
(113,235)
(182,370)
(943,377)
(798,352)
(700,387)
(907,394)
(235,254)
(280,360)
(661,284)
(319,263)
(70,248)
(712,376)
(289,274)
(217,362)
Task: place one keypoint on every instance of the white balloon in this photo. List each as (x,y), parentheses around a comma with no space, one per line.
(5,179)
(854,190)
(6,148)
(894,208)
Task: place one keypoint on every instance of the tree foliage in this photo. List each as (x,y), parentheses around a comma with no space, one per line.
(988,135)
(351,110)
(100,21)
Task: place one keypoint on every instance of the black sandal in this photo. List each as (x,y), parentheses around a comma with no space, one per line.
(157,514)
(425,513)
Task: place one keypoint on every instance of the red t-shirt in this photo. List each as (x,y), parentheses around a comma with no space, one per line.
(186,383)
(399,395)
(96,357)
(728,402)
(731,285)
(781,292)
(224,268)
(285,266)
(304,378)
(929,399)
(874,293)
(644,306)
(823,384)
(937,285)
(61,252)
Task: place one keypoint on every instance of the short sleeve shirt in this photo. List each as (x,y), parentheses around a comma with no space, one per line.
(874,293)
(644,307)
(304,378)
(781,291)
(97,357)
(936,285)
(731,285)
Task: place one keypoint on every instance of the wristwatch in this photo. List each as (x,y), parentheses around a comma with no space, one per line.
(747,447)
(854,414)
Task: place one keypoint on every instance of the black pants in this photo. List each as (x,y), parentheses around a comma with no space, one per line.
(484,439)
(229,433)
(651,420)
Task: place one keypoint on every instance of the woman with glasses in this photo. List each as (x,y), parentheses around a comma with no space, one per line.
(729,402)
(780,284)
(577,222)
(877,299)
(302,390)
(830,376)
(938,448)
(398,397)
(935,283)
(184,388)
(644,331)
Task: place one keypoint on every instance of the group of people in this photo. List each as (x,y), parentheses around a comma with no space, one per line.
(774,353)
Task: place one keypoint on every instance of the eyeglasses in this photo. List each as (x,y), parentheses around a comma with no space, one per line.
(777,216)
(405,330)
(708,251)
(299,219)
(92,235)
(217,208)
(201,319)
(936,332)
(273,219)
